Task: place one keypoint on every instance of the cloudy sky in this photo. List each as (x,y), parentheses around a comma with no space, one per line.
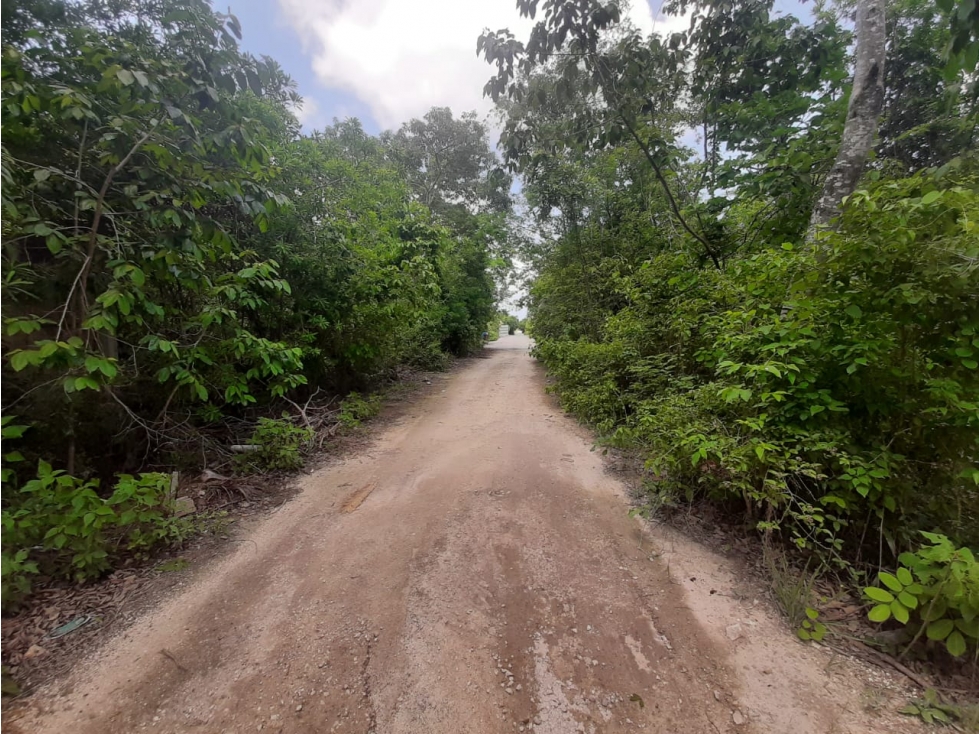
(386,61)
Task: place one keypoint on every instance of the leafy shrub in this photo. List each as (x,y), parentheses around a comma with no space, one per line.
(841,414)
(59,525)
(931,708)
(812,628)
(10,431)
(936,589)
(590,375)
(16,571)
(280,444)
(426,352)
(355,408)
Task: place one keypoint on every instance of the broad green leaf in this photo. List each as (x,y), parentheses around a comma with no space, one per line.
(900,612)
(939,630)
(878,594)
(907,600)
(20,360)
(969,628)
(880,613)
(13,431)
(85,383)
(890,581)
(955,644)
(934,610)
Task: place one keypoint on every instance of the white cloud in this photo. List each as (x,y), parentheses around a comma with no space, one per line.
(308,113)
(401,58)
(666,25)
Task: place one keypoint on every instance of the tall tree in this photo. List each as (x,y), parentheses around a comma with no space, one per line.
(930,115)
(449,162)
(863,113)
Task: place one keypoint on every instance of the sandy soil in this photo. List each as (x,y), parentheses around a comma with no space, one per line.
(475,570)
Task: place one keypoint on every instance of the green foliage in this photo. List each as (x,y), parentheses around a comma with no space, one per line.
(175,253)
(10,431)
(936,589)
(792,588)
(355,409)
(931,709)
(513,323)
(823,383)
(17,570)
(58,525)
(8,685)
(363,266)
(127,129)
(493,327)
(962,47)
(280,445)
(133,178)
(857,396)
(812,628)
(923,122)
(448,162)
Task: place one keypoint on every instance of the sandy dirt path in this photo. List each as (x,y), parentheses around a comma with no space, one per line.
(475,570)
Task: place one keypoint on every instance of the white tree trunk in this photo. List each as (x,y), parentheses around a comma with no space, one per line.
(866,102)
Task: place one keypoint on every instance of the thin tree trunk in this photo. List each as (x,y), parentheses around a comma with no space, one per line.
(866,102)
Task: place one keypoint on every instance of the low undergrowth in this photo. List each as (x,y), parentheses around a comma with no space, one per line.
(60,527)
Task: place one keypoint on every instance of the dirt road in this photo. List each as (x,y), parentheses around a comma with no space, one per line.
(474,571)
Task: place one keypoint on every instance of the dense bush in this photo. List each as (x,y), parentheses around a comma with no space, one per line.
(355,409)
(176,253)
(784,320)
(59,525)
(278,446)
(835,395)
(935,591)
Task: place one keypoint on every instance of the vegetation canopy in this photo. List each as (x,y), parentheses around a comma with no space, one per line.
(759,269)
(176,255)
(751,249)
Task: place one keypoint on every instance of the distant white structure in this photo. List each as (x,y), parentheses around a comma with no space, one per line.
(504,330)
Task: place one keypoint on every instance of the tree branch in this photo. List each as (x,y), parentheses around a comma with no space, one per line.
(669,194)
(81,279)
